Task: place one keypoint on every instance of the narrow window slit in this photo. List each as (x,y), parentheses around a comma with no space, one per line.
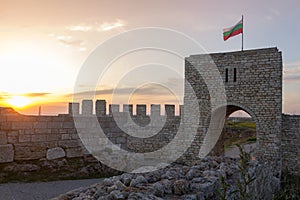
(226,75)
(234,75)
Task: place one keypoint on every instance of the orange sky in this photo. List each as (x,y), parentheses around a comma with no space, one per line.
(45,43)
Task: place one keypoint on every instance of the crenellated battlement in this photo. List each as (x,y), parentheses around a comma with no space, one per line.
(100,109)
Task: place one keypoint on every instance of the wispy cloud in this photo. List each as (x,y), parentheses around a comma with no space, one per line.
(170,91)
(76,35)
(273,13)
(96,27)
(36,94)
(292,72)
(68,40)
(152,89)
(293,78)
(106,26)
(5,95)
(83,28)
(119,91)
(76,43)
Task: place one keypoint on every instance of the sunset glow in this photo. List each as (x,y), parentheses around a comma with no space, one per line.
(45,43)
(18,101)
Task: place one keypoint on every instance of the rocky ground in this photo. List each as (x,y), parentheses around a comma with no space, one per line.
(52,170)
(202,180)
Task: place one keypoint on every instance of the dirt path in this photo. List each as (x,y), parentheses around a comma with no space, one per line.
(41,190)
(234,151)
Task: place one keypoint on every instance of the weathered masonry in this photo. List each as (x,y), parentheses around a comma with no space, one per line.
(253,83)
(52,137)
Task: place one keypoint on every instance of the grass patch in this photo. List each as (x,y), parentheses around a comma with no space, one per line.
(241,125)
(290,187)
(239,132)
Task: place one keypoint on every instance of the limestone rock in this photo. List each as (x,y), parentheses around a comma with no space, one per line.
(116,195)
(190,197)
(167,184)
(192,173)
(203,183)
(180,187)
(138,180)
(159,189)
(55,153)
(126,179)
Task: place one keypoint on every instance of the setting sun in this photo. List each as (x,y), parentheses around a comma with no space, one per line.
(18,101)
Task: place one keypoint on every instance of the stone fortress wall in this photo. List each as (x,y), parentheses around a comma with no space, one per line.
(253,83)
(25,137)
(290,143)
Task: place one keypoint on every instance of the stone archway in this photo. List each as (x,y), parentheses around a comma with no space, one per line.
(219,148)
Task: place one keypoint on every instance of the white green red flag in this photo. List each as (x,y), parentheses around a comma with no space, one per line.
(233,31)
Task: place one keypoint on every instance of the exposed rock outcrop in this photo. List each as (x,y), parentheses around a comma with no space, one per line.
(200,181)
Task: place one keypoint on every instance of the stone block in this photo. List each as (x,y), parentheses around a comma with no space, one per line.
(2,118)
(69,143)
(74,136)
(87,107)
(113,109)
(74,152)
(155,110)
(12,136)
(63,131)
(100,107)
(170,110)
(21,125)
(66,136)
(38,138)
(45,119)
(32,151)
(73,108)
(68,125)
(26,132)
(40,125)
(3,137)
(53,137)
(141,110)
(6,153)
(54,125)
(5,125)
(24,138)
(55,153)
(42,130)
(128,108)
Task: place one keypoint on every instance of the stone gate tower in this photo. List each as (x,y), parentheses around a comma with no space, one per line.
(253,83)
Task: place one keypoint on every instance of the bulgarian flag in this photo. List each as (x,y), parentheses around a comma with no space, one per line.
(233,31)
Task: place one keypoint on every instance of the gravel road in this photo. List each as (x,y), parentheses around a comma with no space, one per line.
(41,190)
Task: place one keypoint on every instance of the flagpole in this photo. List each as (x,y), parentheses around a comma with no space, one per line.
(243,33)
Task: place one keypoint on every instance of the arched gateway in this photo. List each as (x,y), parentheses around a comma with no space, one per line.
(253,83)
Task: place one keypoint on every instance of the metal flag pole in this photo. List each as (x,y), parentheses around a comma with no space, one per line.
(40,110)
(242,32)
